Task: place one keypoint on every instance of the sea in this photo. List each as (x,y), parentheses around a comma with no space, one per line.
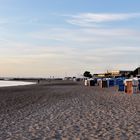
(4,83)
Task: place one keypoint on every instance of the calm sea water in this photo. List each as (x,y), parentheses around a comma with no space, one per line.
(14,83)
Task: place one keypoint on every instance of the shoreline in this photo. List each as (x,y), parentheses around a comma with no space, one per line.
(10,83)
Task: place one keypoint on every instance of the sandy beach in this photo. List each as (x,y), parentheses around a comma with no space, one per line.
(66,110)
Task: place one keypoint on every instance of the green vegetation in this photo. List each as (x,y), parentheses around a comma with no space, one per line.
(87,74)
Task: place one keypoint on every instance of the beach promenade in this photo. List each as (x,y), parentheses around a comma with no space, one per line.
(66,110)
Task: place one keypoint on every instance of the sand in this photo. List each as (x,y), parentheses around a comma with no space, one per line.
(65,110)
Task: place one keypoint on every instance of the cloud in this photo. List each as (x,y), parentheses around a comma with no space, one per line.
(45,60)
(92,48)
(88,36)
(93,19)
(54,51)
(12,21)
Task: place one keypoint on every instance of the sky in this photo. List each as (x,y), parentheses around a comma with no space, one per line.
(43,38)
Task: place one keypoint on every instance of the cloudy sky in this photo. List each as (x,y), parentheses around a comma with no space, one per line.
(66,37)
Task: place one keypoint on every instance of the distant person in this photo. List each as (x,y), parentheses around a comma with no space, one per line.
(38,81)
(49,80)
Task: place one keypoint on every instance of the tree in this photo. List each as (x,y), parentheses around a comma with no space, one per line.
(87,74)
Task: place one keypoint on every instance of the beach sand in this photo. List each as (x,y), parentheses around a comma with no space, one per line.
(66,110)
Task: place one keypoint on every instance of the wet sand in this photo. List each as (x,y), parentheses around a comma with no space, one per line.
(67,110)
